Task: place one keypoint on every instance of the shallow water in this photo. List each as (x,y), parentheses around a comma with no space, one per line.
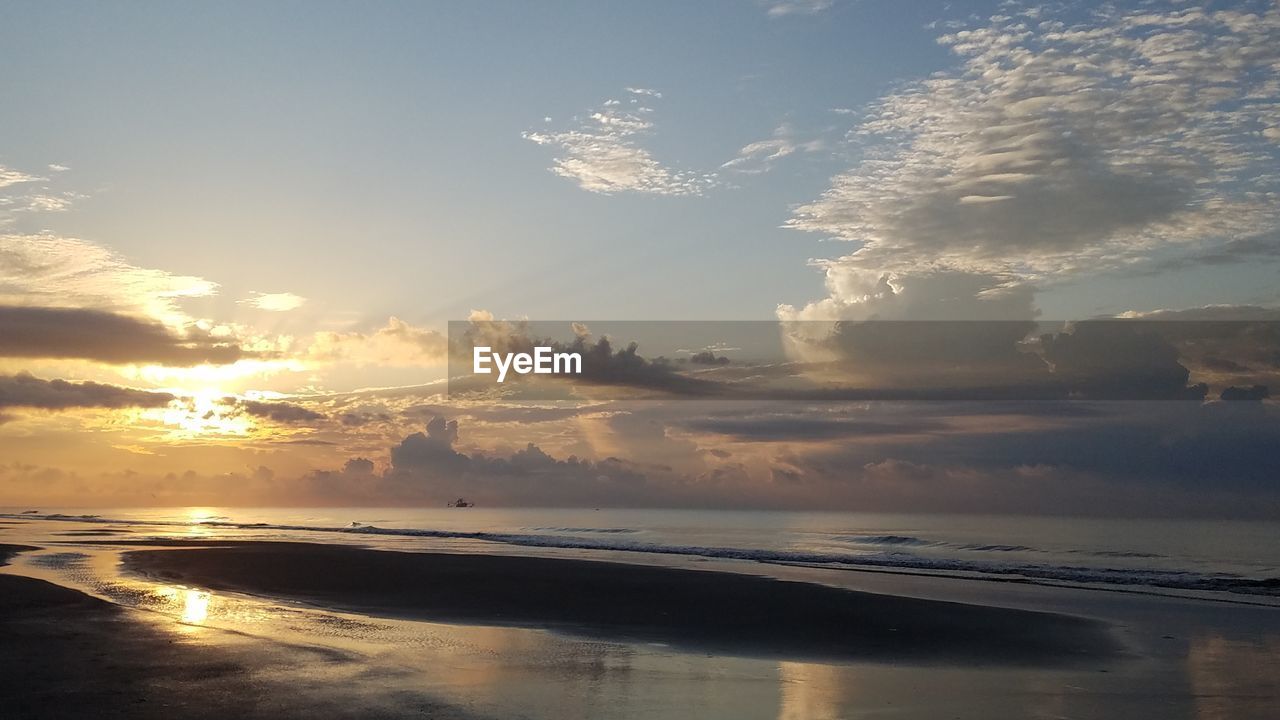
(1187,557)
(1189,658)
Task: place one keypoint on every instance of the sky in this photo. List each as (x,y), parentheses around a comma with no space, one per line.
(232,238)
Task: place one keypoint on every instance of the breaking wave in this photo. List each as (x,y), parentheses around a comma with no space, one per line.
(894,557)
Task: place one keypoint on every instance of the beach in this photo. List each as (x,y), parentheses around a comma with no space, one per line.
(139,619)
(66,654)
(700,610)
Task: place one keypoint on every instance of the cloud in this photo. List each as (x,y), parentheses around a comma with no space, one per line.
(274,302)
(61,333)
(9,176)
(428,464)
(708,357)
(396,344)
(18,196)
(857,293)
(782,8)
(1062,148)
(806,427)
(760,156)
(1133,459)
(25,391)
(1160,358)
(1222,344)
(603,366)
(1118,360)
(851,360)
(281,412)
(39,202)
(601,153)
(49,270)
(1255,393)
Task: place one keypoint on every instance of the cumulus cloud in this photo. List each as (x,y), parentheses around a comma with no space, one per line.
(602,152)
(428,463)
(1058,148)
(274,302)
(857,293)
(76,333)
(1222,344)
(1118,360)
(1105,358)
(397,344)
(26,391)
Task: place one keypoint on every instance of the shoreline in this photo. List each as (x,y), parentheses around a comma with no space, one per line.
(703,610)
(67,654)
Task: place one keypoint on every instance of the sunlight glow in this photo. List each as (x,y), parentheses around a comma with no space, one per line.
(195,609)
(205,413)
(222,375)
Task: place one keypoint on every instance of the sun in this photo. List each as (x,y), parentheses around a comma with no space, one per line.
(203,412)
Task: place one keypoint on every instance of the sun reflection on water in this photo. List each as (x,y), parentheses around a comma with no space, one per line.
(195,609)
(190,606)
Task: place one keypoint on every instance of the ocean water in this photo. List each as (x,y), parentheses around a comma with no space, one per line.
(1186,658)
(1202,558)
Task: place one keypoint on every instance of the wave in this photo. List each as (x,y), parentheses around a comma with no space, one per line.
(605,531)
(912,541)
(1118,553)
(1172,579)
(904,540)
(895,559)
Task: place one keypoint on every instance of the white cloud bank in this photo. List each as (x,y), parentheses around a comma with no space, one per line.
(1057,149)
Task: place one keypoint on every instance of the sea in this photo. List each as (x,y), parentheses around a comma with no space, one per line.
(1221,559)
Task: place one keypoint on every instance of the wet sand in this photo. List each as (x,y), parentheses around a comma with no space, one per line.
(65,654)
(717,612)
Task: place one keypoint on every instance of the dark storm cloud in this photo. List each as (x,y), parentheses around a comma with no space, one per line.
(911,353)
(76,333)
(1221,446)
(1156,358)
(1255,393)
(1118,360)
(24,390)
